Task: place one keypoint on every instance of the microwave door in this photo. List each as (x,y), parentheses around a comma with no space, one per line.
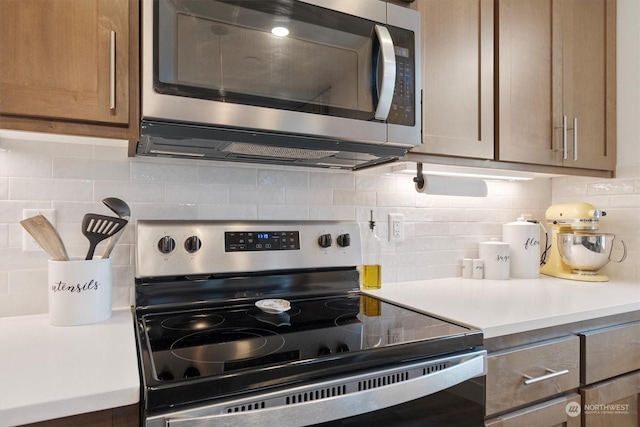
(232,52)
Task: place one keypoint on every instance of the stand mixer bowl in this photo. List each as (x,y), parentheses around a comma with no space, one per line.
(586,253)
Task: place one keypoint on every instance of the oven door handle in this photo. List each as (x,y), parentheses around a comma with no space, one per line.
(343,406)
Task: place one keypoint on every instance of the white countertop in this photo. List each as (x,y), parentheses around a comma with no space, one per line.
(49,372)
(502,307)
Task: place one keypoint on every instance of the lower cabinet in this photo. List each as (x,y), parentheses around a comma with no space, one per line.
(563,411)
(536,384)
(612,403)
(125,416)
(611,376)
(532,373)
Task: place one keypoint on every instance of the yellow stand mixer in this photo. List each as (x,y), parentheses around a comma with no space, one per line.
(576,252)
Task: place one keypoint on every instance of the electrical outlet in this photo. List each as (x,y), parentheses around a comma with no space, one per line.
(28,243)
(396,227)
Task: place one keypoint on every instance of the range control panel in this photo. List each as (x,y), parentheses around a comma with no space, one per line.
(201,247)
(261,241)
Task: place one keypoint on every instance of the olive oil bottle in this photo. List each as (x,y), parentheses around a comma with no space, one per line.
(371,271)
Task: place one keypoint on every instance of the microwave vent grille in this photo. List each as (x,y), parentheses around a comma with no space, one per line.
(273,151)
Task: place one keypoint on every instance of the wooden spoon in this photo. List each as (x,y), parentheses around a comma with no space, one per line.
(46,236)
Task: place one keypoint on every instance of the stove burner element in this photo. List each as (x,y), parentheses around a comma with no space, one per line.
(193,322)
(227,345)
(344,304)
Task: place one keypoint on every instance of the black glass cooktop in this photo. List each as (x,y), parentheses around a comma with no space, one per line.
(222,340)
(229,349)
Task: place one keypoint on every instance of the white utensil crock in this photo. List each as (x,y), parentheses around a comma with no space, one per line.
(79,291)
(523,238)
(495,256)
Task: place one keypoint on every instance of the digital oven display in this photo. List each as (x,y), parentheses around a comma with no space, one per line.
(261,241)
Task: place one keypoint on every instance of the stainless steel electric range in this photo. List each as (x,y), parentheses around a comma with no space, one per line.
(262,323)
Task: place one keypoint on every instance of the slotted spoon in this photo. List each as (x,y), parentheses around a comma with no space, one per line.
(97,228)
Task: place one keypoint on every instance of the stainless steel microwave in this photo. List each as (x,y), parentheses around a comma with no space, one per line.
(329,83)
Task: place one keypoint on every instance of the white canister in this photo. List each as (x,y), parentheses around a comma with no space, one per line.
(495,256)
(79,291)
(523,238)
(467,268)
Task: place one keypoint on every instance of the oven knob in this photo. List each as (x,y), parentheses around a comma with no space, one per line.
(192,244)
(324,351)
(344,240)
(191,372)
(342,348)
(165,375)
(166,244)
(325,240)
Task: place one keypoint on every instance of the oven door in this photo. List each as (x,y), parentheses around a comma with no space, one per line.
(223,62)
(446,391)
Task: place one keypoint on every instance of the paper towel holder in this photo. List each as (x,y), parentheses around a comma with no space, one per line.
(449,185)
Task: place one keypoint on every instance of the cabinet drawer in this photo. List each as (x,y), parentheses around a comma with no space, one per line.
(525,374)
(612,403)
(609,352)
(550,413)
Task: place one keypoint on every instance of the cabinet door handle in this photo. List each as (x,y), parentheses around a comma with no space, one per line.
(575,138)
(564,138)
(112,71)
(551,374)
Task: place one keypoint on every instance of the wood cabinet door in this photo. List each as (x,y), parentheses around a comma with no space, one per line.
(60,59)
(612,403)
(529,81)
(552,413)
(457,77)
(589,89)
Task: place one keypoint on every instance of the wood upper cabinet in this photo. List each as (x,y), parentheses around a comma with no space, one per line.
(69,61)
(557,82)
(457,77)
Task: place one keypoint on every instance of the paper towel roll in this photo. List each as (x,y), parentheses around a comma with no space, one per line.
(453,186)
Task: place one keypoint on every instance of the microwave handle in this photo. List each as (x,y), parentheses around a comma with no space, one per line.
(386,83)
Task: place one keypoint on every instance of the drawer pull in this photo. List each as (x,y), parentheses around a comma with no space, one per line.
(552,374)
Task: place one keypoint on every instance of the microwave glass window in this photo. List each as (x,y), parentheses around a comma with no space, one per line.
(253,61)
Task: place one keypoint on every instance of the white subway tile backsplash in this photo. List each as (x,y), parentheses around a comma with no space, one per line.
(227,174)
(163,172)
(338,180)
(256,195)
(333,213)
(283,212)
(50,189)
(83,169)
(315,197)
(4,284)
(354,198)
(4,188)
(20,164)
(367,181)
(439,230)
(282,178)
(396,199)
(610,187)
(224,212)
(197,193)
(130,191)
